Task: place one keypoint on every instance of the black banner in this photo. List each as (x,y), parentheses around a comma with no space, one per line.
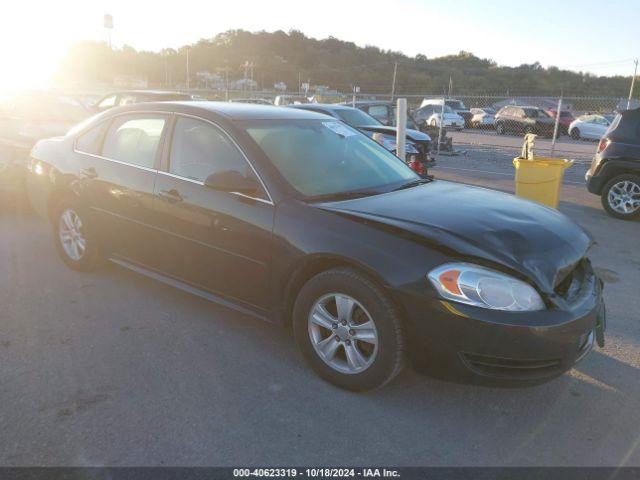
(214,473)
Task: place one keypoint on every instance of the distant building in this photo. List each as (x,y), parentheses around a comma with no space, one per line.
(280,86)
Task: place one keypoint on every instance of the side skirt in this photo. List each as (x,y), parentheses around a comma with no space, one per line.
(185,287)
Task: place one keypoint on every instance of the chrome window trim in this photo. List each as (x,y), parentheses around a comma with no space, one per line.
(146,169)
(109,119)
(269,200)
(198,182)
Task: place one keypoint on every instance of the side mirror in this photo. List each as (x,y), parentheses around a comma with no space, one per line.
(231,181)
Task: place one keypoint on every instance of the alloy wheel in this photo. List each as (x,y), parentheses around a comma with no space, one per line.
(343,333)
(624,197)
(70,231)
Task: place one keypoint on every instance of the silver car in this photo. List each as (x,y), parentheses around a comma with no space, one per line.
(591,127)
(483,117)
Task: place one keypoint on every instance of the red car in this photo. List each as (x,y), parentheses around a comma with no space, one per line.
(566,117)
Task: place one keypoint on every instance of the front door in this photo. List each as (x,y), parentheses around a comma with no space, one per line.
(214,240)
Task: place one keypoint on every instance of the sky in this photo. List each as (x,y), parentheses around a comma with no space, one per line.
(583,35)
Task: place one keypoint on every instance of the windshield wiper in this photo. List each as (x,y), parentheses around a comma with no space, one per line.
(344,195)
(414,183)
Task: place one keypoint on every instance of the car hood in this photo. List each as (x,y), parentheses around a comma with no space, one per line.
(538,242)
(414,135)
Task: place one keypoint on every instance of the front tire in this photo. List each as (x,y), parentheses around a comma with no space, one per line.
(575,134)
(348,330)
(75,240)
(499,128)
(621,197)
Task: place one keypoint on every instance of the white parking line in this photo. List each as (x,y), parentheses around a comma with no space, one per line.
(494,173)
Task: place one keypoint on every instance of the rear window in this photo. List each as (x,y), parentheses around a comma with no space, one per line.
(626,126)
(456,104)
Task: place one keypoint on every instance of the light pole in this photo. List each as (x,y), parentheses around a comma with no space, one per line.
(108,24)
(393,84)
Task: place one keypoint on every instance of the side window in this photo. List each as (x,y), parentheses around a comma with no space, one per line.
(91,140)
(134,139)
(199,149)
(108,102)
(379,112)
(127,99)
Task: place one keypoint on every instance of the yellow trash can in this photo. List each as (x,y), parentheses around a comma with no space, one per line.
(540,179)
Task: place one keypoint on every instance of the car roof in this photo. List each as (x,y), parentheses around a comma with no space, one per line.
(369,102)
(152,92)
(325,106)
(230,110)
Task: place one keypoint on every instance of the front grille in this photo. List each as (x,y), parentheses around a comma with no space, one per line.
(499,367)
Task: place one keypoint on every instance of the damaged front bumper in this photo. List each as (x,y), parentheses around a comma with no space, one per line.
(458,339)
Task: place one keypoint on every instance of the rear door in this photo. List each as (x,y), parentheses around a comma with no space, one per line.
(216,241)
(120,180)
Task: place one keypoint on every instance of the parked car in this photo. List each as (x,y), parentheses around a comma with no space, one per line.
(255,101)
(517,119)
(290,217)
(129,97)
(418,144)
(26,118)
(591,127)
(284,100)
(384,112)
(483,117)
(615,169)
(566,117)
(431,114)
(456,105)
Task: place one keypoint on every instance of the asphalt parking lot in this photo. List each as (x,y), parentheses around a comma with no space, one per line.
(111,368)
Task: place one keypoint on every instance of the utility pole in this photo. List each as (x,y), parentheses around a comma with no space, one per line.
(393,84)
(633,81)
(556,125)
(299,82)
(188,49)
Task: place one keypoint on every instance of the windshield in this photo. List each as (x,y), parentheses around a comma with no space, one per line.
(447,109)
(456,104)
(322,158)
(355,117)
(411,123)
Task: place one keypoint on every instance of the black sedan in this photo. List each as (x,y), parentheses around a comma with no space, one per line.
(298,219)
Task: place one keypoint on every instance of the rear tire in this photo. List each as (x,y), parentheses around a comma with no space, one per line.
(575,134)
(333,339)
(621,197)
(74,236)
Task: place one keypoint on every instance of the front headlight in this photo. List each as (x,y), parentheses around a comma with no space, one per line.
(485,288)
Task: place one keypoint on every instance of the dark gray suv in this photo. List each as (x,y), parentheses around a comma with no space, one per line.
(615,170)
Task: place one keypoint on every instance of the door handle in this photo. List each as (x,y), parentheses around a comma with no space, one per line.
(171,196)
(89,172)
